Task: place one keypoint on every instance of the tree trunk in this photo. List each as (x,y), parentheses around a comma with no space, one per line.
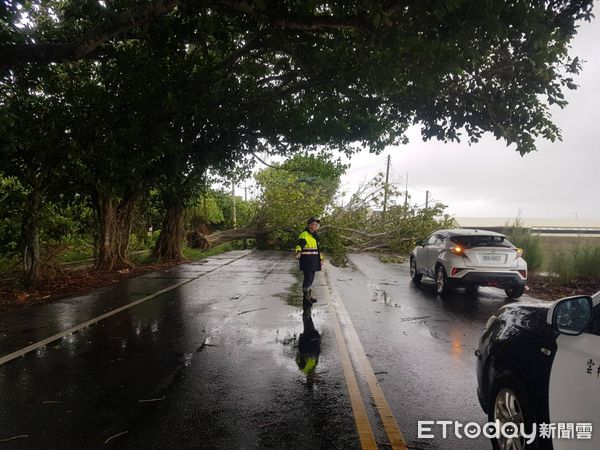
(168,244)
(31,238)
(221,237)
(115,228)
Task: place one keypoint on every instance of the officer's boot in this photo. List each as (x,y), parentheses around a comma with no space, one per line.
(312,299)
(306,303)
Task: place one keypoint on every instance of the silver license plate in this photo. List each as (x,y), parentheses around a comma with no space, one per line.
(492,258)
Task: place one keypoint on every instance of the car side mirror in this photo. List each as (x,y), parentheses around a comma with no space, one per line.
(419,243)
(571,315)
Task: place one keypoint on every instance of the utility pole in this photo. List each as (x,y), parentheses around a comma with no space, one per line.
(426,199)
(233,199)
(406,193)
(385,192)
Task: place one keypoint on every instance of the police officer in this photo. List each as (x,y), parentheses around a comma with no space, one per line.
(310,257)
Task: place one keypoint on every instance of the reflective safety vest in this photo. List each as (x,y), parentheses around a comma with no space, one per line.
(310,254)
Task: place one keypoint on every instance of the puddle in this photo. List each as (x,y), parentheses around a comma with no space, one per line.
(293,294)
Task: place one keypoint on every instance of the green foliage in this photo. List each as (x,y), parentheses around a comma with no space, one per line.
(301,187)
(415,224)
(77,252)
(68,222)
(144,241)
(147,113)
(194,254)
(213,211)
(580,262)
(392,259)
(362,224)
(149,213)
(206,211)
(332,244)
(531,245)
(66,227)
(142,257)
(12,198)
(8,265)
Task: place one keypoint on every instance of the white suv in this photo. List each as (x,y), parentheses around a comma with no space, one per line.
(470,258)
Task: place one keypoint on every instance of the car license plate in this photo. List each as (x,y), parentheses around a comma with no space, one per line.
(492,258)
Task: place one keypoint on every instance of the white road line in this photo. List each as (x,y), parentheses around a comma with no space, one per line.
(56,337)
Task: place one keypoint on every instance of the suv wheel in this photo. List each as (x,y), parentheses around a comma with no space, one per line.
(414,275)
(511,404)
(515,291)
(441,280)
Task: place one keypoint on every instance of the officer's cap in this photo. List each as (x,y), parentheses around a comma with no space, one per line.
(313,219)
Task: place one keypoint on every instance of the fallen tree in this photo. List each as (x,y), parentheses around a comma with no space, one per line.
(357,226)
(207,241)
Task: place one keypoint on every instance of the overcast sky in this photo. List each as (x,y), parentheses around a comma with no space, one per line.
(488,179)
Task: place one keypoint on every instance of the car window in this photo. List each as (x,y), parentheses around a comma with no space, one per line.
(439,240)
(595,325)
(481,241)
(432,239)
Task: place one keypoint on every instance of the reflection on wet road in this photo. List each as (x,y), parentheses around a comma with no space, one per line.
(421,345)
(211,364)
(229,360)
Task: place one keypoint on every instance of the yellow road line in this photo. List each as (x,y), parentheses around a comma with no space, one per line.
(365,433)
(395,437)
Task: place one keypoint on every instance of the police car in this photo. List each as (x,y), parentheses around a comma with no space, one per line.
(539,363)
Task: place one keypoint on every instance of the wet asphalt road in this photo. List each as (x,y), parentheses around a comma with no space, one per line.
(221,361)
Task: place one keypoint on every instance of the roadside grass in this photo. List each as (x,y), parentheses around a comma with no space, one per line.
(194,254)
(566,260)
(9,265)
(142,257)
(533,251)
(579,262)
(76,254)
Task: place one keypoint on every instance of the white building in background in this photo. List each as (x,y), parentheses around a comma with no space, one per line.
(576,228)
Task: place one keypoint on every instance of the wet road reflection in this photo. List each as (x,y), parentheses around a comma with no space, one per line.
(234,359)
(423,344)
(200,366)
(309,346)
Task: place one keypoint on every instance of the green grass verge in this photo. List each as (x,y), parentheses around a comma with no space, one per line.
(579,262)
(194,254)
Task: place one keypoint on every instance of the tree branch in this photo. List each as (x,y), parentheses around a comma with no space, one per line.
(312,23)
(352,230)
(46,52)
(250,45)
